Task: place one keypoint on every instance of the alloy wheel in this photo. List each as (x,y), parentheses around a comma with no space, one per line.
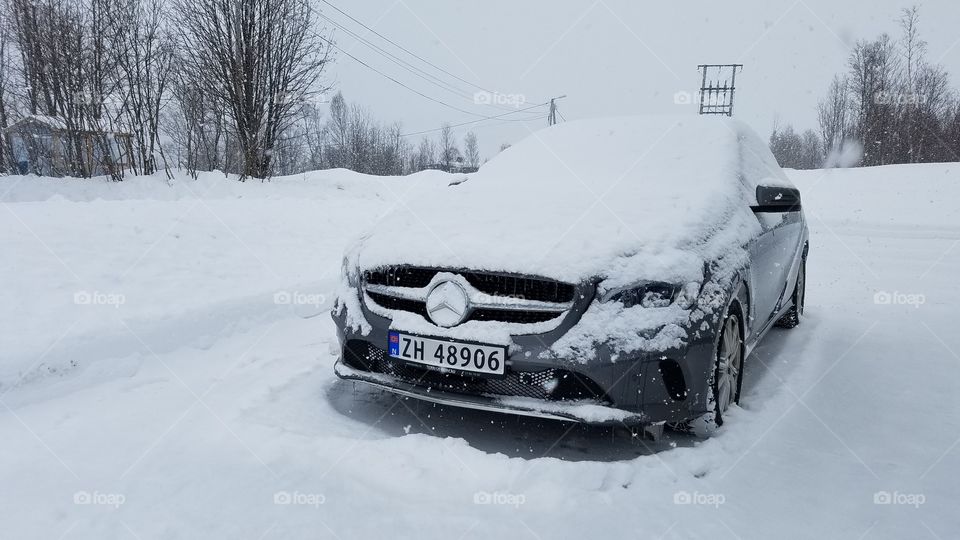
(729,362)
(801,288)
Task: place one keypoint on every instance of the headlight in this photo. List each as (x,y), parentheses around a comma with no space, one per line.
(350,272)
(655,295)
(688,295)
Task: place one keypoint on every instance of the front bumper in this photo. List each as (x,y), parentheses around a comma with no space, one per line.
(643,387)
(586,412)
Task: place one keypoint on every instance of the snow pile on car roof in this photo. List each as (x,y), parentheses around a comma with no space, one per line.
(606,197)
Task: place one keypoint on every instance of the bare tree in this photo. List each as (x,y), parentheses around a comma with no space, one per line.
(339,127)
(359,144)
(873,70)
(194,126)
(913,51)
(259,59)
(67,74)
(6,74)
(811,150)
(448,147)
(471,149)
(393,151)
(796,151)
(143,54)
(930,108)
(425,155)
(893,104)
(316,137)
(832,114)
(950,151)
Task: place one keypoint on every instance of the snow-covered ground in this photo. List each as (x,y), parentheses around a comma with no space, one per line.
(160,377)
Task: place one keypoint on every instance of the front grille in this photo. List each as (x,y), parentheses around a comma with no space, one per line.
(548,384)
(539,289)
(502,315)
(520,295)
(399,304)
(400,276)
(512,286)
(535,384)
(512,316)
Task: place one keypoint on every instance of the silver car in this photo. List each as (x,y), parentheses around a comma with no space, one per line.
(603,271)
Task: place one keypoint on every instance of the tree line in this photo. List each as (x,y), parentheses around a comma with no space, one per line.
(349,137)
(891,106)
(229,85)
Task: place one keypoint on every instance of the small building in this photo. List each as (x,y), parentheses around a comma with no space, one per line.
(44,145)
(457,166)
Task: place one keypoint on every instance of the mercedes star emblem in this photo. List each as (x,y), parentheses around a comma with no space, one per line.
(448,304)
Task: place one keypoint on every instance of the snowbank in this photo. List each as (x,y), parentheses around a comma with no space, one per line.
(90,265)
(237,427)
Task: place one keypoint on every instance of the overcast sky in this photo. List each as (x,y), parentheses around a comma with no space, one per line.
(612,57)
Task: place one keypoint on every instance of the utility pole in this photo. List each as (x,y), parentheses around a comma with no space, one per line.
(716,91)
(552,117)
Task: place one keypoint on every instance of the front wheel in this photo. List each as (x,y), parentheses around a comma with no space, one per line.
(728,367)
(725,380)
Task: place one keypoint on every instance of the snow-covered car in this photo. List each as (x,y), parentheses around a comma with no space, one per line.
(603,271)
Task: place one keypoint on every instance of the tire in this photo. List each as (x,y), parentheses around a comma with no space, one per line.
(724,385)
(792,317)
(727,376)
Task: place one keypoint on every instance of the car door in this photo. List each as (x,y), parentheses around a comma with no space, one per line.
(785,252)
(765,271)
(770,253)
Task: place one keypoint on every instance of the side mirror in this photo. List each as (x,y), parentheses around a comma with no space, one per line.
(777,199)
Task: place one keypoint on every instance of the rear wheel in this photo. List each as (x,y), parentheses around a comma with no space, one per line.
(791,318)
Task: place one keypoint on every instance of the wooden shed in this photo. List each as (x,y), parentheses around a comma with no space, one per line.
(45,145)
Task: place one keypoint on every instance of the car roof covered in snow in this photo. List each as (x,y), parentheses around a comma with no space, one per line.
(590,198)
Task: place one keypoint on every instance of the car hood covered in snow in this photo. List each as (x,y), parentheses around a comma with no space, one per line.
(619,199)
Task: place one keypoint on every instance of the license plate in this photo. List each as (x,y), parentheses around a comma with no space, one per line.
(470,357)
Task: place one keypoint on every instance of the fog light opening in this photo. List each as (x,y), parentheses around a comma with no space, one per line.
(574,387)
(673,379)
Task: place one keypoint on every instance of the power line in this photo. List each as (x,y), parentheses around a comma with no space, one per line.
(482,126)
(382,74)
(482,119)
(504,122)
(419,93)
(429,77)
(399,61)
(424,75)
(404,49)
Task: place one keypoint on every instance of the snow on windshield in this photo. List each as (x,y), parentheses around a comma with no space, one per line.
(612,198)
